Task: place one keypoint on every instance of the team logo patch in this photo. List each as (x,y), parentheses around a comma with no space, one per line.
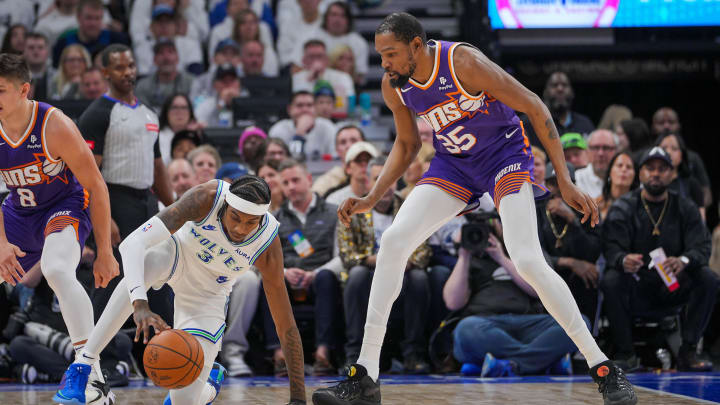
(209,227)
(146,227)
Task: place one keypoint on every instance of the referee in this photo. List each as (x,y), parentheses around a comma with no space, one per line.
(123,135)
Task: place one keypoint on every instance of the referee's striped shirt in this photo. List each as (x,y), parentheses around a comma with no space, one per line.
(126,136)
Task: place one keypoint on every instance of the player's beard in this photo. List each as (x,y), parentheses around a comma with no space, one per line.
(402,80)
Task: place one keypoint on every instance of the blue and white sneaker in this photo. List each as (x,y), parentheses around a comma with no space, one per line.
(72,385)
(493,367)
(216,378)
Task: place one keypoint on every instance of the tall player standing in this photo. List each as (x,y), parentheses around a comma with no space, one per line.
(481,147)
(53,181)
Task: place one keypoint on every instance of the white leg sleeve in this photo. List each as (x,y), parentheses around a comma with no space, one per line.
(199,392)
(58,263)
(426,209)
(517,213)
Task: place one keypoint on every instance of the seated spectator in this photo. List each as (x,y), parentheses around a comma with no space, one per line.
(638,135)
(191,16)
(60,19)
(176,115)
(315,67)
(224,30)
(247,29)
(324,99)
(417,168)
(336,177)
(167,80)
(220,9)
(185,141)
(602,146)
(269,170)
(504,329)
(276,149)
(572,248)
(14,40)
(307,233)
(227,52)
(613,115)
(358,246)
(539,165)
(17,12)
(240,313)
(621,179)
(182,177)
(425,131)
(682,181)
(356,161)
(216,109)
(251,146)
(37,56)
(295,18)
(638,223)
(342,59)
(89,32)
(308,136)
(92,84)
(164,27)
(575,150)
(205,161)
(66,83)
(252,57)
(231,171)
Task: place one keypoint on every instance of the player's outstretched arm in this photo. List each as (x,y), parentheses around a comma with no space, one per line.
(65,142)
(270,264)
(478,73)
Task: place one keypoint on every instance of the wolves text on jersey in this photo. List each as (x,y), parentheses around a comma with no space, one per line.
(211,251)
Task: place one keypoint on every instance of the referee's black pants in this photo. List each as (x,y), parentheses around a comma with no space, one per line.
(130,208)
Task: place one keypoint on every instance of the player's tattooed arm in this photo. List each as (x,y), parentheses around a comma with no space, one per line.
(552,131)
(293,351)
(194,205)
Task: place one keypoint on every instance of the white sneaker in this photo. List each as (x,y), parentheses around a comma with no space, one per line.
(237,366)
(97,391)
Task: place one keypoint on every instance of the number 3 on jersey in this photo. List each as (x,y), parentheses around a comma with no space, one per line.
(27,198)
(455,144)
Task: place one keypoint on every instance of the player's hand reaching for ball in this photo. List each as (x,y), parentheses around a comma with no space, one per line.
(353,206)
(580,201)
(10,268)
(105,269)
(144,318)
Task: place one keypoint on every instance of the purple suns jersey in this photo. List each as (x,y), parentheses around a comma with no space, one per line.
(480,143)
(35,179)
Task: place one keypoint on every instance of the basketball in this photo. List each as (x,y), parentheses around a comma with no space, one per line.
(52,169)
(173,359)
(467,104)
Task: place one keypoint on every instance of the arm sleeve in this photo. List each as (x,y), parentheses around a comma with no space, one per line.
(94,123)
(132,251)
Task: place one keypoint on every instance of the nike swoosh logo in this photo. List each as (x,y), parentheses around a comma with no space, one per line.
(133,289)
(510,134)
(87,357)
(406,90)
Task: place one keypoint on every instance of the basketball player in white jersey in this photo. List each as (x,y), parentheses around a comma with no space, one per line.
(199,245)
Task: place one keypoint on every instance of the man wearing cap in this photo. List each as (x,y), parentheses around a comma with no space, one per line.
(226,52)
(356,161)
(575,149)
(324,99)
(216,110)
(602,146)
(638,223)
(166,80)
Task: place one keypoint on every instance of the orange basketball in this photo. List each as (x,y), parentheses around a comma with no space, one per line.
(173,359)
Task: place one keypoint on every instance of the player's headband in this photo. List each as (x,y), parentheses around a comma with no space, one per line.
(246,206)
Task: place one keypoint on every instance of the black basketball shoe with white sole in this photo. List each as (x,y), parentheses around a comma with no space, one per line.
(358,389)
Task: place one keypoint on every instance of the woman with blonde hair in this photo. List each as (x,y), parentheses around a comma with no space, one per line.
(74,60)
(343,59)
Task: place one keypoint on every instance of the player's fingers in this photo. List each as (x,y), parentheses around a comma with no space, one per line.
(137,333)
(18,252)
(146,331)
(6,275)
(16,270)
(97,277)
(585,209)
(595,212)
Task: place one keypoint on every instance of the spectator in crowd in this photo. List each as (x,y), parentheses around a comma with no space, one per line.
(638,135)
(231,171)
(16,12)
(14,40)
(682,181)
(184,141)
(315,67)
(205,160)
(227,52)
(572,248)
(74,60)
(224,30)
(216,110)
(128,154)
(638,223)
(164,27)
(558,96)
(356,162)
(252,57)
(182,177)
(307,233)
(358,250)
(92,84)
(277,150)
(342,59)
(251,146)
(308,136)
(37,56)
(504,328)
(176,115)
(575,149)
(191,17)
(247,29)
(269,170)
(60,19)
(539,164)
(295,18)
(89,32)
(425,131)
(621,179)
(336,177)
(167,80)
(666,121)
(613,115)
(602,146)
(417,168)
(324,99)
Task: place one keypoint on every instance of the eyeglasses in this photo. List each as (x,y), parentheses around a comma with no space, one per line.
(604,148)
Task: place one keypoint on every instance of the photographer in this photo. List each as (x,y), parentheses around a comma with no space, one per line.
(504,329)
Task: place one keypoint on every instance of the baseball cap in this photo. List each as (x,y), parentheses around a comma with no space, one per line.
(656,153)
(323,88)
(224,70)
(196,137)
(573,140)
(161,10)
(231,170)
(550,171)
(162,42)
(359,147)
(227,42)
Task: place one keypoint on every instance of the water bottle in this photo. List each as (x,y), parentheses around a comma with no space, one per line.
(365,115)
(665,359)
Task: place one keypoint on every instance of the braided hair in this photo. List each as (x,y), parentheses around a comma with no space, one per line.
(250,188)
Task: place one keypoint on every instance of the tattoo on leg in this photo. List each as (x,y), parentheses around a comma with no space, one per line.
(552,131)
(293,351)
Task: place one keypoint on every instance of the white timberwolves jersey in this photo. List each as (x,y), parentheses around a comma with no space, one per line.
(211,261)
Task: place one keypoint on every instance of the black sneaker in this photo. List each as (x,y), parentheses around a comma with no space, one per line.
(358,389)
(612,384)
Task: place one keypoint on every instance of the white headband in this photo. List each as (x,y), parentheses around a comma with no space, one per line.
(245,205)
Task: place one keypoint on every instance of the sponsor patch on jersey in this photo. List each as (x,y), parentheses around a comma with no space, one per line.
(146,227)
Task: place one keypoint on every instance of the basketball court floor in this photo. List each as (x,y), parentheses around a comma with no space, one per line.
(652,389)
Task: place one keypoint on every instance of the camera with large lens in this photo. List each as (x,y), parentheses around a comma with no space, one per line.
(475,233)
(15,325)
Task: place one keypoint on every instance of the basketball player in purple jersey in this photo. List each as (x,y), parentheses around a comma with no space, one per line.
(56,193)
(480,147)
